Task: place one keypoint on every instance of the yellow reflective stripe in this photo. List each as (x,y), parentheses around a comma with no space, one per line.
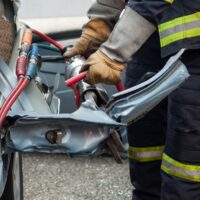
(177,174)
(145,159)
(179,36)
(178,169)
(169,1)
(179,21)
(179,164)
(145,149)
(146,154)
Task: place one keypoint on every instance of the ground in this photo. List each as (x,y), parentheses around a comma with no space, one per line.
(57,177)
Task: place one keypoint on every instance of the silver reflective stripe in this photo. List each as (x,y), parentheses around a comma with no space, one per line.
(146,154)
(179,28)
(181,170)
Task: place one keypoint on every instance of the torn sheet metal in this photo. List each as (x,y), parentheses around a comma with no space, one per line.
(133,103)
(80,132)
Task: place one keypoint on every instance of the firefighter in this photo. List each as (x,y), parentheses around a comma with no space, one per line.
(177,22)
(150,130)
(8,9)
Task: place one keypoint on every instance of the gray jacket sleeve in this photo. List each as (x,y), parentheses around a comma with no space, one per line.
(108,10)
(129,34)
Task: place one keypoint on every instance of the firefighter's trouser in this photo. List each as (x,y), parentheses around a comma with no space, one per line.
(146,136)
(181,157)
(175,130)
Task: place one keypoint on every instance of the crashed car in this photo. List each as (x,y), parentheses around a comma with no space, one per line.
(31,119)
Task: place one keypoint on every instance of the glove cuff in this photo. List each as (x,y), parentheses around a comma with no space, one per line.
(129,34)
(97,29)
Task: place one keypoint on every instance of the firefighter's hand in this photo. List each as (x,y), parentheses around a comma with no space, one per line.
(94,33)
(101,69)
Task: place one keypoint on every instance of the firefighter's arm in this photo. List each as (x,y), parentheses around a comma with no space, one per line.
(128,35)
(103,14)
(132,30)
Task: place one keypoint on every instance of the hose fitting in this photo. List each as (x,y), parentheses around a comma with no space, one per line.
(23,53)
(34,62)
(27,38)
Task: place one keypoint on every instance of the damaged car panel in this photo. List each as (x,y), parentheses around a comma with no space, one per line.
(133,103)
(80,132)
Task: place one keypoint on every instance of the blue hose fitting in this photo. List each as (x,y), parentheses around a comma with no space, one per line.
(34,62)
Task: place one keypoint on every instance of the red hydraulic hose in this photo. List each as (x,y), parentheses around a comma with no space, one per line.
(10,95)
(120,86)
(12,98)
(72,81)
(75,79)
(50,40)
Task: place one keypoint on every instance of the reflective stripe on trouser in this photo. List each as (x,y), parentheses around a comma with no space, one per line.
(181,158)
(181,170)
(148,131)
(169,1)
(145,154)
(180,28)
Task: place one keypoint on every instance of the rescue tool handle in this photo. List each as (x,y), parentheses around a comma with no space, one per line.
(75,79)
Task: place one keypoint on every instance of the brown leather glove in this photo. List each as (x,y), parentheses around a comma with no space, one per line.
(94,33)
(101,69)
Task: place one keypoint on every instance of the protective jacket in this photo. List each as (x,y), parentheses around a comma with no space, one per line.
(178,22)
